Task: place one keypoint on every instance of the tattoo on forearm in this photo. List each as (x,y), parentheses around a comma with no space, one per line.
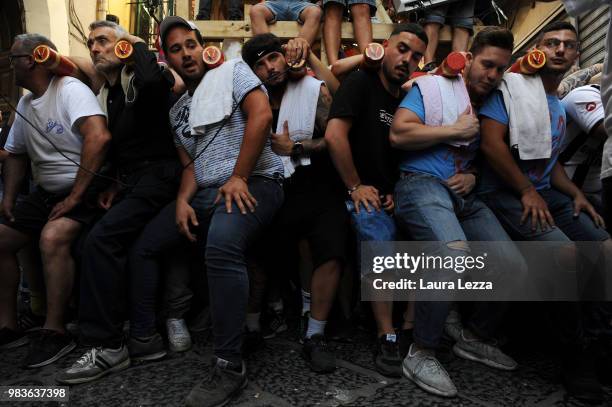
(578,78)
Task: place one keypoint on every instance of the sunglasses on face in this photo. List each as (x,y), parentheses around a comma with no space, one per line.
(12,58)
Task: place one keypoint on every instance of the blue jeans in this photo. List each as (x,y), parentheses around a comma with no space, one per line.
(428,210)
(287,10)
(509,209)
(371,226)
(225,238)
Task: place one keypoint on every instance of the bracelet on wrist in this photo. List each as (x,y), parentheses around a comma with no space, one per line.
(353,189)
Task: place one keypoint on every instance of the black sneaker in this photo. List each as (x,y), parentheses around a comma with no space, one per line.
(201,17)
(405,340)
(225,382)
(251,342)
(142,349)
(47,346)
(579,377)
(276,324)
(388,360)
(10,339)
(28,322)
(317,354)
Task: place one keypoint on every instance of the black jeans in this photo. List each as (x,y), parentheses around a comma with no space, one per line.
(234,9)
(105,252)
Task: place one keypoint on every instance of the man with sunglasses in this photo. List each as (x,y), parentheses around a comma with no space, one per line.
(69,129)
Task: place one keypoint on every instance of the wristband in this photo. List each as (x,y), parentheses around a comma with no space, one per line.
(353,189)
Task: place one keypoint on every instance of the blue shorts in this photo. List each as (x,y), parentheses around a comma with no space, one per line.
(287,10)
(371,226)
(349,3)
(459,14)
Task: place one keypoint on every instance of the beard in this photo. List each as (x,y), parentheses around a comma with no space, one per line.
(104,66)
(278,81)
(392,77)
(554,71)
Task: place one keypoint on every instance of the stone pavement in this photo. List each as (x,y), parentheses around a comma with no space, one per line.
(280,377)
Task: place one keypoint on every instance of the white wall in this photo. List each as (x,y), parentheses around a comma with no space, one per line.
(51,18)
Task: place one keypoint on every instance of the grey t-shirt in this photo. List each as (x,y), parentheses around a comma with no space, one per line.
(215,166)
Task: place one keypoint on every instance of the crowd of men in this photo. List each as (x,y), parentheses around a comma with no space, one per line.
(248,163)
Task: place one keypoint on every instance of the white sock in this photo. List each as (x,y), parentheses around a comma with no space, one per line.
(252,321)
(305,302)
(315,327)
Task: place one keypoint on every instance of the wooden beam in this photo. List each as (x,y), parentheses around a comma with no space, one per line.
(530,19)
(216,30)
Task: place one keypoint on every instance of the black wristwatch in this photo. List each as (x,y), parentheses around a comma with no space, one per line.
(297,149)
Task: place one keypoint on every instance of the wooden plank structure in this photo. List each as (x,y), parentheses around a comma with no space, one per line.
(218,29)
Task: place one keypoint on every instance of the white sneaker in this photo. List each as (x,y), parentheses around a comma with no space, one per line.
(427,372)
(178,335)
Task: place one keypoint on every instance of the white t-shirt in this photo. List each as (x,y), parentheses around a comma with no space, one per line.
(58,114)
(584,111)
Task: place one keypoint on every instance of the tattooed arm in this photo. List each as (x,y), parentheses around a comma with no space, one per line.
(323,105)
(578,78)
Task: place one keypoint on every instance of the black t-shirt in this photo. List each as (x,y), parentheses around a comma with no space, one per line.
(363,98)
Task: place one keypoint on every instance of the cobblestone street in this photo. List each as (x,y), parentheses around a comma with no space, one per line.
(280,377)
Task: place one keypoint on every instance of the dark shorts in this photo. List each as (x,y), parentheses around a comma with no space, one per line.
(459,14)
(318,217)
(32,212)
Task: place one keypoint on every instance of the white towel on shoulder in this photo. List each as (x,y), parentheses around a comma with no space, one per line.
(454,90)
(529,118)
(213,98)
(299,108)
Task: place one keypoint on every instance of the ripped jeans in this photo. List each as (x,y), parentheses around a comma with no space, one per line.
(428,210)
